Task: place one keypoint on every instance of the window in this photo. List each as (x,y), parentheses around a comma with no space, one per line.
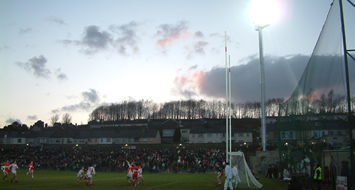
(183,131)
(200,135)
(108,139)
(291,135)
(19,140)
(69,141)
(209,134)
(144,140)
(240,134)
(283,135)
(247,134)
(42,140)
(57,140)
(136,139)
(31,140)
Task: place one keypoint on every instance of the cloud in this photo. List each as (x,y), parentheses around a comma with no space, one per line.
(56,20)
(167,34)
(89,101)
(281,74)
(37,65)
(91,96)
(60,75)
(187,85)
(4,48)
(86,106)
(198,34)
(122,38)
(12,120)
(32,117)
(127,37)
(25,30)
(94,40)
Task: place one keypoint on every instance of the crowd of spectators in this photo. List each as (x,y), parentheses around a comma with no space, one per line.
(152,160)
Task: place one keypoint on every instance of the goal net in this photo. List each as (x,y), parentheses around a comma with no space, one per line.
(246,178)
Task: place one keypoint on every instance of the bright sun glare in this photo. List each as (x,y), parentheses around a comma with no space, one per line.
(264,12)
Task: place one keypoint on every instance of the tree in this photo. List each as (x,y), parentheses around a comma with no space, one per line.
(54,119)
(66,118)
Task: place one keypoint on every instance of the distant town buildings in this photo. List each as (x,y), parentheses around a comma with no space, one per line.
(159,131)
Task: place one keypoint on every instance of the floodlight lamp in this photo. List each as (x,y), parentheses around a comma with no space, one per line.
(262,13)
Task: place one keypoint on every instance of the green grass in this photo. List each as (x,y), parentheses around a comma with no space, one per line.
(52,180)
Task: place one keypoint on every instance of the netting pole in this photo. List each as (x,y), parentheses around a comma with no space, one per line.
(352,169)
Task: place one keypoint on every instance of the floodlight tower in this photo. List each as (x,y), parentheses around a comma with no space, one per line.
(262,13)
(259,28)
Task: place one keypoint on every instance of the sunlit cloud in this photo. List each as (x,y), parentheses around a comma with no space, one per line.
(167,34)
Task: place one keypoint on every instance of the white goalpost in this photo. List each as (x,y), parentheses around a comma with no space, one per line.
(247,179)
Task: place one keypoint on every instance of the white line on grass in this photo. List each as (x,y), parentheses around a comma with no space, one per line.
(163,185)
(43,184)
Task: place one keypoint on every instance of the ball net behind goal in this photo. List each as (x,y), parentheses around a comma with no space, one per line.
(315,117)
(247,179)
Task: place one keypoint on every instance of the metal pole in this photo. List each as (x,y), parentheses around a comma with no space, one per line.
(262,84)
(226,114)
(230,108)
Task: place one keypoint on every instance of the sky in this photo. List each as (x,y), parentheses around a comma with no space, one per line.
(65,56)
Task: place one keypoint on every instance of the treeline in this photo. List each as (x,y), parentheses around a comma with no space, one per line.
(183,109)
(329,103)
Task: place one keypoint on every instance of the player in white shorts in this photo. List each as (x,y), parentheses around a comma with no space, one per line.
(140,171)
(130,173)
(89,173)
(14,167)
(80,175)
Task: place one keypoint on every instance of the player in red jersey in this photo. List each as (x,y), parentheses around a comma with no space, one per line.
(89,173)
(220,173)
(30,169)
(6,169)
(130,173)
(135,174)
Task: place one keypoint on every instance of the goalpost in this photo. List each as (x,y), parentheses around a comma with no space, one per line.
(247,179)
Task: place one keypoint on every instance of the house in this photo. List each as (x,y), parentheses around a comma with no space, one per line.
(14,137)
(168,129)
(38,138)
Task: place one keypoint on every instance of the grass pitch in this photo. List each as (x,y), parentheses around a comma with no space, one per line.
(112,180)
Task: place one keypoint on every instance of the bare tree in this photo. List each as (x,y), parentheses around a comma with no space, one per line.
(66,118)
(54,119)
